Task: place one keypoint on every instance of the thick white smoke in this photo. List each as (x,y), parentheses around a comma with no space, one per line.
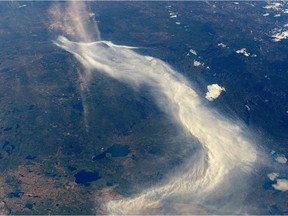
(226,156)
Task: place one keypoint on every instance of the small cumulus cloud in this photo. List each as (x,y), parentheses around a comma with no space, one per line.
(281,159)
(281,185)
(222,45)
(274,6)
(280,36)
(172,14)
(22,6)
(248,108)
(193,51)
(214,91)
(273,176)
(197,63)
(243,51)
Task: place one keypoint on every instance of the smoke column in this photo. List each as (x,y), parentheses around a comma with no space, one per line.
(75,20)
(226,156)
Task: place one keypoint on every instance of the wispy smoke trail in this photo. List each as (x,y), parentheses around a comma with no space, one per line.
(226,154)
(74,20)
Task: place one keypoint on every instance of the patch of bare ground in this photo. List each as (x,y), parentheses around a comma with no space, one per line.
(47,194)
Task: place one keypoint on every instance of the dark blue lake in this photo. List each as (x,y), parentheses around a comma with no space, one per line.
(85,177)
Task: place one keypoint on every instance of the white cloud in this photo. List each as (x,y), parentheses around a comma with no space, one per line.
(266,14)
(281,159)
(197,63)
(248,108)
(281,185)
(193,52)
(280,36)
(214,91)
(273,176)
(274,6)
(173,15)
(222,45)
(21,6)
(244,51)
